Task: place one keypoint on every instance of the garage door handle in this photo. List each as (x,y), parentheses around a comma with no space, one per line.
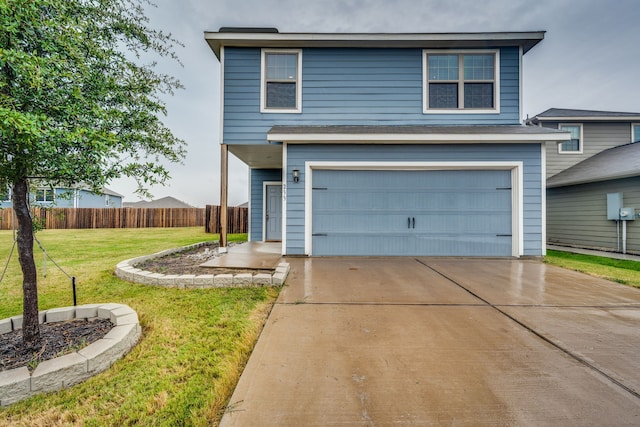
(408,222)
(414,222)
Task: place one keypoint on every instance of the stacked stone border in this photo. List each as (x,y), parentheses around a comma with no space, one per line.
(127,270)
(55,374)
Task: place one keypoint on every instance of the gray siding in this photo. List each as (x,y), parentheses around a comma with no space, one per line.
(529,154)
(351,87)
(597,137)
(577,215)
(258,176)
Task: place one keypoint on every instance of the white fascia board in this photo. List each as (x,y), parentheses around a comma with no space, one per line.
(377,40)
(589,119)
(415,138)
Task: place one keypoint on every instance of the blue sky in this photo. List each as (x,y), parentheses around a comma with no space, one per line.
(590,59)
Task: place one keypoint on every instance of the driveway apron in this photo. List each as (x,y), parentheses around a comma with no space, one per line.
(432,341)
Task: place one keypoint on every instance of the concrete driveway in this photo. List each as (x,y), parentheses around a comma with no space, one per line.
(429,341)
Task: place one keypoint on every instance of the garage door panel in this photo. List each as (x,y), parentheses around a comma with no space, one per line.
(409,212)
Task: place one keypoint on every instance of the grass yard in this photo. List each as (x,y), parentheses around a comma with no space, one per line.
(193,347)
(621,271)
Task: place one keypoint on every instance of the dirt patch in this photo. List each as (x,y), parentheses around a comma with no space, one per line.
(58,339)
(189,261)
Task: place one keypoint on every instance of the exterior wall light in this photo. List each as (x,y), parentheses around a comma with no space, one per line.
(296,175)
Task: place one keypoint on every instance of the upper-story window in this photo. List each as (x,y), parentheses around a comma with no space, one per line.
(44,195)
(574,145)
(635,132)
(461,82)
(281,81)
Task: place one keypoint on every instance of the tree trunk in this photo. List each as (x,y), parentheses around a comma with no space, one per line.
(30,323)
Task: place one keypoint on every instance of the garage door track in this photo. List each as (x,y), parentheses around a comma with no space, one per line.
(435,341)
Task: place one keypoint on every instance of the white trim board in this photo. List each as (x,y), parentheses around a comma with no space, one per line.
(517,188)
(417,138)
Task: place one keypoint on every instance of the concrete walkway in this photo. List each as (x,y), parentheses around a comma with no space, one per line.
(427,341)
(255,255)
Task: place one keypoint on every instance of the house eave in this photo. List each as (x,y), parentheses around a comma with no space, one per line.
(588,119)
(414,135)
(570,183)
(526,40)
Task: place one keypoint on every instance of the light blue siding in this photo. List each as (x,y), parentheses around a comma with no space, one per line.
(258,177)
(529,154)
(351,87)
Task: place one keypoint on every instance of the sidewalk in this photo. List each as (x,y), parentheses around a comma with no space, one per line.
(595,253)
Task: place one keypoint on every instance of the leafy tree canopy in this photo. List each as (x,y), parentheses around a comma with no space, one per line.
(77,103)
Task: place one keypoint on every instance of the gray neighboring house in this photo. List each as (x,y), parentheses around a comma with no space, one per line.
(592,132)
(164,202)
(577,201)
(598,160)
(63,197)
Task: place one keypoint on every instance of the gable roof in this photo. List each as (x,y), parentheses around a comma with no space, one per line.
(270,37)
(614,163)
(564,114)
(164,202)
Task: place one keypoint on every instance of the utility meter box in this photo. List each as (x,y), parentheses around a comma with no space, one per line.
(627,214)
(614,204)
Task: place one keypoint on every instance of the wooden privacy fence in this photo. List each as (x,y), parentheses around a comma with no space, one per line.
(73,218)
(237,219)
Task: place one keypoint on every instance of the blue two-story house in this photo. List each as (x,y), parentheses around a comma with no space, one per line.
(385,144)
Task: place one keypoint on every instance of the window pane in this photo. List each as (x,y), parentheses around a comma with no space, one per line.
(574,143)
(443,95)
(443,67)
(478,95)
(636,133)
(478,67)
(281,95)
(281,66)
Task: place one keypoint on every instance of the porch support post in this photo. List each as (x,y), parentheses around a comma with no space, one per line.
(224,190)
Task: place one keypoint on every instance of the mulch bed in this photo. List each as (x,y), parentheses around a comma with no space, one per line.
(189,261)
(58,339)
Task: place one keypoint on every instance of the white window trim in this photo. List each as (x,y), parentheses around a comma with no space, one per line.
(517,188)
(634,137)
(425,82)
(560,151)
(46,191)
(263,75)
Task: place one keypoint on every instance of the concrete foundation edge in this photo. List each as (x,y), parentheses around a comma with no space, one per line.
(73,368)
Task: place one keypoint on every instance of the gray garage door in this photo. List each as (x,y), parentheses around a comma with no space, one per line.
(431,213)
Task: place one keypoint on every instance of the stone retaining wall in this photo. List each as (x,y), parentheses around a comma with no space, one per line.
(54,374)
(126,270)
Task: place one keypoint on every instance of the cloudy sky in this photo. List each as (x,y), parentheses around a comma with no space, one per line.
(590,59)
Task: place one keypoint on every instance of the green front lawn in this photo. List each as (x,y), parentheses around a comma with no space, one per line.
(621,271)
(194,344)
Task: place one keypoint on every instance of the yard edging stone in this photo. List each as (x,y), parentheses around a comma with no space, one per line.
(73,368)
(127,270)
